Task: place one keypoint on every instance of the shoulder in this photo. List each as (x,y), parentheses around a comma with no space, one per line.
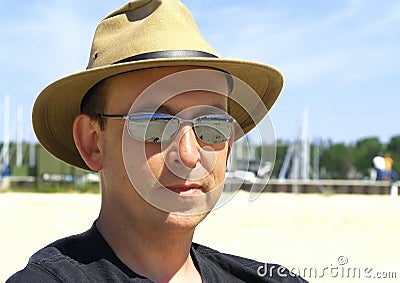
(53,265)
(80,258)
(214,264)
(66,260)
(43,266)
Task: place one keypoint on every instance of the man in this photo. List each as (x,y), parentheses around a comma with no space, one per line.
(389,172)
(155,114)
(379,165)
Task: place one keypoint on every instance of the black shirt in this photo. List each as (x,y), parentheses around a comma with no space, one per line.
(88,258)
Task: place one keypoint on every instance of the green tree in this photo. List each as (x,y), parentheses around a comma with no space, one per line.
(336,161)
(364,151)
(393,148)
(281,149)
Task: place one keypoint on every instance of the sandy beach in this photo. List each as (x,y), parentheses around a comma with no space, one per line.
(339,238)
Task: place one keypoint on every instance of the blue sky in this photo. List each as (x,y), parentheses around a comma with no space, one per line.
(340,59)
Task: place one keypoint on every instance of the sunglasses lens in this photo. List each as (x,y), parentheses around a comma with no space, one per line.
(156,128)
(152,128)
(214,129)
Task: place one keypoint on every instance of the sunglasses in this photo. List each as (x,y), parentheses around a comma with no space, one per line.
(157,128)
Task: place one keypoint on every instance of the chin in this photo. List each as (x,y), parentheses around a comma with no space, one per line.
(184,221)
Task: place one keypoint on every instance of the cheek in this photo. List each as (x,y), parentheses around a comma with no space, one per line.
(112,152)
(220,164)
(113,165)
(143,163)
(155,160)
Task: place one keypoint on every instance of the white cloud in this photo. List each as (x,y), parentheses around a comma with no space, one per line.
(347,43)
(42,41)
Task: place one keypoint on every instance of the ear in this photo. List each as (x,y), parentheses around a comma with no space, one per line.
(86,137)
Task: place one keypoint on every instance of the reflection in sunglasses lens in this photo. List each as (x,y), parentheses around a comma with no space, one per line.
(156,128)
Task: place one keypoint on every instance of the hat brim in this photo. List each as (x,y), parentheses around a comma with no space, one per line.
(59,103)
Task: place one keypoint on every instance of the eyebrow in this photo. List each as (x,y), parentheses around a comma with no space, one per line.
(165,110)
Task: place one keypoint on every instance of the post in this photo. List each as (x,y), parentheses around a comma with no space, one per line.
(20,131)
(394,190)
(6,138)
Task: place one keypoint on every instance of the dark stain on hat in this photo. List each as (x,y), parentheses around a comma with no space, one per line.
(144,11)
(137,10)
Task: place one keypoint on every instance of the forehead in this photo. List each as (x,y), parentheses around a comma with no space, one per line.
(167,85)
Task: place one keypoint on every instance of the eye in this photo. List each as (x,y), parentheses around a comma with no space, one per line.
(153,140)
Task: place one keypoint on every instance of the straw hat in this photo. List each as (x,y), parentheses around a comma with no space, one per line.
(139,35)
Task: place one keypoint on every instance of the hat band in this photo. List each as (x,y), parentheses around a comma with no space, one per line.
(167,54)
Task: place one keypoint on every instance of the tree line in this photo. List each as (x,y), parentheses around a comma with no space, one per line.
(334,160)
(341,160)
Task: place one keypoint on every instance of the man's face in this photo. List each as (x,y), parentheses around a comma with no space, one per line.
(176,181)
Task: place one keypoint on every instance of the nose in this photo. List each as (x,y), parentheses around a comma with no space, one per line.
(186,158)
(188,148)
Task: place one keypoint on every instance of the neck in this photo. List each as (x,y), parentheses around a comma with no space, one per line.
(159,251)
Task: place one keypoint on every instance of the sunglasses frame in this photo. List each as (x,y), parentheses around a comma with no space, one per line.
(180,120)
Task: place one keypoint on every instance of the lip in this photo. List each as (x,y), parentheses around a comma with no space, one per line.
(186,189)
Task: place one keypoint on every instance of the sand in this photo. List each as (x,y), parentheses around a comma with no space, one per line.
(340,238)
